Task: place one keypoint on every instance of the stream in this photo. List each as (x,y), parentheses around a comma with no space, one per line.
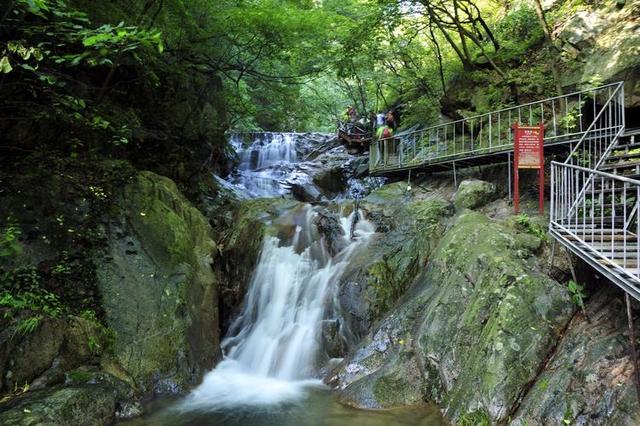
(274,359)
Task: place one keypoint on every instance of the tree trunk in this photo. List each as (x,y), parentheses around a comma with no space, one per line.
(552,47)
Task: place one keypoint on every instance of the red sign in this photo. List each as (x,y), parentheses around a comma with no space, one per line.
(528,154)
(528,147)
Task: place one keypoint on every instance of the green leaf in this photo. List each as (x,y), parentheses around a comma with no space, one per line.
(5,66)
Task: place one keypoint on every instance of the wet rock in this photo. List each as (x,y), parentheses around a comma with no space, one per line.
(470,334)
(474,193)
(331,182)
(375,280)
(329,227)
(332,340)
(306,193)
(361,166)
(239,248)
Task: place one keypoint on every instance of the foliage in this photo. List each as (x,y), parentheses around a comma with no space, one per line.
(475,418)
(35,301)
(524,223)
(46,44)
(9,244)
(22,297)
(285,65)
(28,325)
(577,293)
(518,32)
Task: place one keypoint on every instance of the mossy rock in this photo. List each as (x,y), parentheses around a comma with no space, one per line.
(89,398)
(474,193)
(590,378)
(158,289)
(477,326)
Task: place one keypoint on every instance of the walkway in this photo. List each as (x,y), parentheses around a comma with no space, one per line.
(595,192)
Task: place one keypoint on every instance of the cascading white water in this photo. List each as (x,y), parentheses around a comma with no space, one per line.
(265,163)
(272,347)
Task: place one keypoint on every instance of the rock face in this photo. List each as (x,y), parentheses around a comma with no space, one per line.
(474,193)
(472,332)
(239,248)
(589,380)
(410,223)
(603,44)
(158,289)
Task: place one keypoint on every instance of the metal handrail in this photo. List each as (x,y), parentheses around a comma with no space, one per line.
(592,147)
(600,173)
(591,127)
(493,128)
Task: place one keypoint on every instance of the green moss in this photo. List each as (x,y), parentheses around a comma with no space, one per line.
(391,276)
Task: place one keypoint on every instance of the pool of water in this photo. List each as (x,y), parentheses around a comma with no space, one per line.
(318,408)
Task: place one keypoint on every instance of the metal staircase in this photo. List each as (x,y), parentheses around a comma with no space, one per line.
(594,212)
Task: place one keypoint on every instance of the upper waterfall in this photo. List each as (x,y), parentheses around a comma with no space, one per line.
(306,166)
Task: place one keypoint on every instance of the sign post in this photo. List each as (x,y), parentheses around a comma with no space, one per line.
(528,154)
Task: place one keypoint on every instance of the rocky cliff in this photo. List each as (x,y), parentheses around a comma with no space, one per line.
(483,329)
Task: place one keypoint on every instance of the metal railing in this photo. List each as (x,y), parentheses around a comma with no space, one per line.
(570,117)
(599,223)
(598,139)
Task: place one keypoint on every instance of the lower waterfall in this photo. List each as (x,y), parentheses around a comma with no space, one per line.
(272,348)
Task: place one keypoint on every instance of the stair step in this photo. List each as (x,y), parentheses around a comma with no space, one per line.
(603,246)
(596,220)
(620,165)
(631,131)
(596,237)
(619,206)
(620,262)
(628,144)
(623,156)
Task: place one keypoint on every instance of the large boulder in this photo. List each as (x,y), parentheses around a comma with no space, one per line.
(473,193)
(602,44)
(472,332)
(87,399)
(159,292)
(42,356)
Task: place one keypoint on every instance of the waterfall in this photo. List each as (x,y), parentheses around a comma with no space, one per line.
(265,163)
(272,348)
